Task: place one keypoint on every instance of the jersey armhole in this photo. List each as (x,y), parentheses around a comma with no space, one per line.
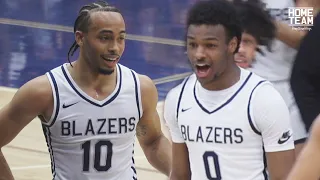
(180,96)
(137,93)
(252,122)
(56,100)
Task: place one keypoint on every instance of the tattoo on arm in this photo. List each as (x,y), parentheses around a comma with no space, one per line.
(141,130)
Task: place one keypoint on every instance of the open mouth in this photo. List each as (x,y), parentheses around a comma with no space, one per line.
(110,58)
(240,60)
(110,61)
(202,70)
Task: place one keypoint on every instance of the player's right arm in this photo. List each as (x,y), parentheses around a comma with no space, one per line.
(307,166)
(31,100)
(271,116)
(180,156)
(180,166)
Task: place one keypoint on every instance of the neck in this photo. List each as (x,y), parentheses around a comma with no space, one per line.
(86,76)
(224,80)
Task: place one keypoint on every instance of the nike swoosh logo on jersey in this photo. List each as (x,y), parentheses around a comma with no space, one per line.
(66,106)
(285,137)
(183,110)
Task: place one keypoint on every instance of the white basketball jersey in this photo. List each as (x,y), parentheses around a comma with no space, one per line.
(223,142)
(90,139)
(276,65)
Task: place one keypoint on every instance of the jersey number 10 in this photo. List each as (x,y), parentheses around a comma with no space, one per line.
(97,155)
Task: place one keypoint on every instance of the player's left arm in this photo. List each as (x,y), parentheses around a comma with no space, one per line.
(271,115)
(156,147)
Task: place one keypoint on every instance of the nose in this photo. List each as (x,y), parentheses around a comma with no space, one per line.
(200,53)
(114,47)
(241,48)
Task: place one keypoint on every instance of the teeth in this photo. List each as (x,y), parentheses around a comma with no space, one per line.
(111,59)
(202,65)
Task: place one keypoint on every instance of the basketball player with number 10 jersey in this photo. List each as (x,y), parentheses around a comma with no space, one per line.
(91,109)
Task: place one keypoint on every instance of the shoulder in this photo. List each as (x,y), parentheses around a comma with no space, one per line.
(35,94)
(268,104)
(147,85)
(174,93)
(257,84)
(266,93)
(173,96)
(149,93)
(39,87)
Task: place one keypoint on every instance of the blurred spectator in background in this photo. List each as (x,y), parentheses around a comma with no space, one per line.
(258,29)
(276,65)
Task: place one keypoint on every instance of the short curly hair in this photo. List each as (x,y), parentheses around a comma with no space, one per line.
(216,12)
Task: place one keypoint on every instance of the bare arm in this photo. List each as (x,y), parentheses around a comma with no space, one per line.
(180,164)
(288,36)
(307,165)
(29,101)
(5,173)
(280,164)
(291,37)
(155,145)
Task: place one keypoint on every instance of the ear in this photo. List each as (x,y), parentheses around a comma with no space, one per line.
(79,36)
(232,45)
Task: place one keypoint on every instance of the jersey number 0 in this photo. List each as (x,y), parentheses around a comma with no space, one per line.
(97,155)
(214,156)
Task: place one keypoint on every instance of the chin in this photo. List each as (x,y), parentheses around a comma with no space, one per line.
(244,65)
(106,71)
(204,81)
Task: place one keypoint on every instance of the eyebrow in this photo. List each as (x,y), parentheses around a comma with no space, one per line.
(111,32)
(209,38)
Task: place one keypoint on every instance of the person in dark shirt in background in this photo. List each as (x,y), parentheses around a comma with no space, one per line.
(306,88)
(306,74)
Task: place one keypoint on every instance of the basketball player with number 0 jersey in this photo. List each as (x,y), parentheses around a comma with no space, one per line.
(91,109)
(225,122)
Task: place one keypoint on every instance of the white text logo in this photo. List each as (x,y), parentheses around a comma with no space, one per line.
(300,18)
